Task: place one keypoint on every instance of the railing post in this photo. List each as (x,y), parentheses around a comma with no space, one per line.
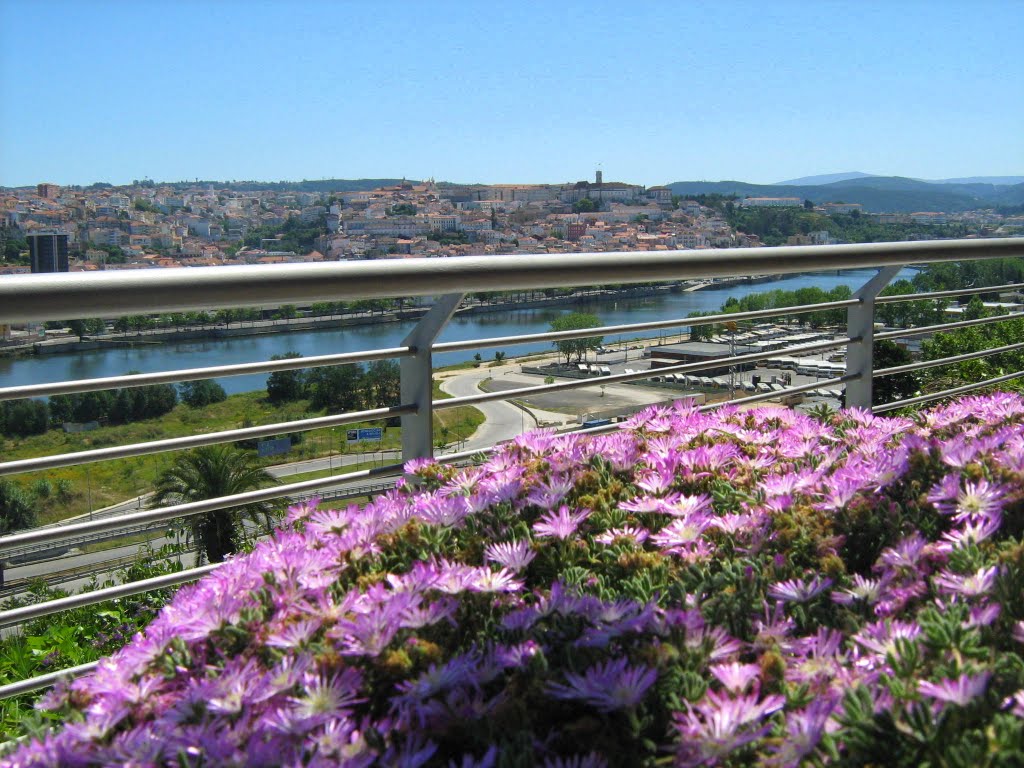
(860,323)
(417,383)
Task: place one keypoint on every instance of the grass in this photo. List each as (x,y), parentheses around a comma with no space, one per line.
(101,484)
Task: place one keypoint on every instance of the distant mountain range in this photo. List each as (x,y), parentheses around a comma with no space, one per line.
(830,178)
(878,194)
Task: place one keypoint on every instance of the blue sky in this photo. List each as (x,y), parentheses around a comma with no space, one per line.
(508,92)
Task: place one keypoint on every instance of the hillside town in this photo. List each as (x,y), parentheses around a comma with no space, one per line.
(147,225)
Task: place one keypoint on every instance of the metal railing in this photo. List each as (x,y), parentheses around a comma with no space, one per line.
(112,294)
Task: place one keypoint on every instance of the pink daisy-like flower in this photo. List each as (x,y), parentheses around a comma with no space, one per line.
(561,524)
(634,533)
(736,677)
(514,555)
(960,691)
(797,591)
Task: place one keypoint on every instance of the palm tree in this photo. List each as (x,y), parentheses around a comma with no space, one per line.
(207,473)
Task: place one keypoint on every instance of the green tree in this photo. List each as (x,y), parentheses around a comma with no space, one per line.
(337,388)
(975,309)
(210,472)
(286,386)
(887,389)
(701,332)
(16,509)
(585,205)
(21,418)
(198,394)
(383,384)
(574,321)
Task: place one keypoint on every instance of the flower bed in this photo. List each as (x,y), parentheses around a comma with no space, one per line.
(735,587)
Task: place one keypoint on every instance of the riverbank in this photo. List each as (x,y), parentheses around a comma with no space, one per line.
(70,344)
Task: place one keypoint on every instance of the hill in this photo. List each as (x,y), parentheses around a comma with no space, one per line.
(878,194)
(827,178)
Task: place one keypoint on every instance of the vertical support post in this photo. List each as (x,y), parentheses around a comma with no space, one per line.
(417,384)
(860,322)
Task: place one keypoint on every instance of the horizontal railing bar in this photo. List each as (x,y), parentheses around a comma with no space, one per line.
(947,392)
(30,612)
(45,681)
(194,441)
(795,390)
(926,329)
(942,294)
(753,357)
(164,514)
(458,346)
(115,293)
(922,364)
(194,374)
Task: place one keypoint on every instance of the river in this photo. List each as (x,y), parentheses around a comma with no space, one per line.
(147,358)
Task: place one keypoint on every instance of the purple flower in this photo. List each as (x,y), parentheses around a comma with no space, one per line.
(971,585)
(719,725)
(862,590)
(327,698)
(561,524)
(608,687)
(633,533)
(797,591)
(736,677)
(682,534)
(1015,703)
(804,729)
(514,555)
(960,691)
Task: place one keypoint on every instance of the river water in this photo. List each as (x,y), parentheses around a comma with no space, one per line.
(147,358)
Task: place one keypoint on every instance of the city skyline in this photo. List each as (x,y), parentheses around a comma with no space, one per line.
(457,92)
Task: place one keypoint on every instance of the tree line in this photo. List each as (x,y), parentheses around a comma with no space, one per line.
(337,388)
(20,418)
(774,225)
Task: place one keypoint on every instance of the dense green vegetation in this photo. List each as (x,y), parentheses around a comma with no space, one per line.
(293,234)
(968,274)
(964,340)
(775,225)
(19,418)
(76,636)
(337,388)
(576,348)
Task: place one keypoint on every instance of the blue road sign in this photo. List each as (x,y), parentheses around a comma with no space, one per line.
(366,433)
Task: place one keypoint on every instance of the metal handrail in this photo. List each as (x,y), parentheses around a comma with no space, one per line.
(38,610)
(893,299)
(753,357)
(195,441)
(130,292)
(45,681)
(946,392)
(607,330)
(195,374)
(164,514)
(924,330)
(921,365)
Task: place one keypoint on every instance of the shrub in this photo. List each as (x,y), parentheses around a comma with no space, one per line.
(682,588)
